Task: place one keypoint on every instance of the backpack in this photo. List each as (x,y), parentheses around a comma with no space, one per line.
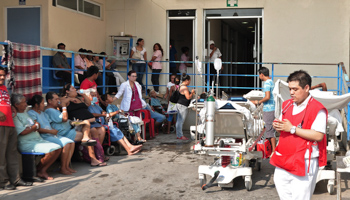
(175,96)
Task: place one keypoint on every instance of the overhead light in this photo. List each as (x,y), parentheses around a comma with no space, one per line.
(253,31)
(244,22)
(250,27)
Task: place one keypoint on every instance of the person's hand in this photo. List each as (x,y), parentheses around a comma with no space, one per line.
(284,125)
(214,49)
(2,117)
(193,91)
(37,125)
(54,132)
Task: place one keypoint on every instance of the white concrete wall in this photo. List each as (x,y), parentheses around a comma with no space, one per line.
(293,31)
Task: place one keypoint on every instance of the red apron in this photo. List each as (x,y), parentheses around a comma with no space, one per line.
(292,147)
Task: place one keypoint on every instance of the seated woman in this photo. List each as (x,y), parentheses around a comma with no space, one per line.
(50,134)
(116,134)
(114,111)
(59,121)
(156,105)
(77,108)
(29,140)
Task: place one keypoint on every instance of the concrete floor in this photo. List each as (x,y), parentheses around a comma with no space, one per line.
(165,169)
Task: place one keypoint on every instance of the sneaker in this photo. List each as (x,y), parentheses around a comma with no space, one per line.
(157,93)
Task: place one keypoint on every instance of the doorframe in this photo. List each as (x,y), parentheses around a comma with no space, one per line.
(194,42)
(257,45)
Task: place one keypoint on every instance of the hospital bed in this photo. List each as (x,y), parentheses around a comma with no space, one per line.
(334,104)
(236,130)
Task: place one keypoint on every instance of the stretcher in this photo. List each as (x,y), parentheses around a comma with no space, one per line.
(236,130)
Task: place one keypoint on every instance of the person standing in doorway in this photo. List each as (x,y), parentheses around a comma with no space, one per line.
(301,149)
(185,57)
(139,52)
(269,105)
(156,66)
(213,54)
(9,165)
(173,57)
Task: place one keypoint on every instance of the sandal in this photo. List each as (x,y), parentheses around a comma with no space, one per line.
(139,142)
(89,142)
(106,158)
(102,164)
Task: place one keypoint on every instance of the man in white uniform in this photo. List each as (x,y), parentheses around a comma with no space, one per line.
(214,53)
(302,144)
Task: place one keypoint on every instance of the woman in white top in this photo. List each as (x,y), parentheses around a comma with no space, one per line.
(132,97)
(139,52)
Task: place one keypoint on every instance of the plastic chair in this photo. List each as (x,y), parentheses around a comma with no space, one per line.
(60,80)
(146,118)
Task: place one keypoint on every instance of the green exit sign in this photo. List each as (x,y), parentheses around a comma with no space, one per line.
(232,3)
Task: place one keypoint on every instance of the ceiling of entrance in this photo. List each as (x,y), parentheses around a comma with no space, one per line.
(243,26)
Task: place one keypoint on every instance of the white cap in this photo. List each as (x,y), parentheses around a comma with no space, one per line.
(211,42)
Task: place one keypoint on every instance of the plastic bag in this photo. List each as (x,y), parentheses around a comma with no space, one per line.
(110,123)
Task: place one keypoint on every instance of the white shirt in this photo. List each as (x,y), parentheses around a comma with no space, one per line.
(169,85)
(141,52)
(125,89)
(216,54)
(319,124)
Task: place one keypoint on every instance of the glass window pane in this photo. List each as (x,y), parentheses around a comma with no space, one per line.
(235,12)
(81,5)
(182,13)
(91,9)
(72,4)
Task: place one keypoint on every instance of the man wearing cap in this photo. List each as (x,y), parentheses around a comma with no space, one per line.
(214,53)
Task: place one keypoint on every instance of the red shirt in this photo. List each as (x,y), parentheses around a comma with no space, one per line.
(5,107)
(86,84)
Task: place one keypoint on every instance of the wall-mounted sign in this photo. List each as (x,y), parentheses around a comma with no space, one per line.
(22,2)
(232,3)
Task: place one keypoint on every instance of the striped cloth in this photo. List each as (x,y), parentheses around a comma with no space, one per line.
(26,70)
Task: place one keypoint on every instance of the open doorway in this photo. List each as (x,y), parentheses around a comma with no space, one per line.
(238,35)
(181,39)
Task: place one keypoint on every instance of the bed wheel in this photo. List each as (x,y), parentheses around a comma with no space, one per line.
(330,188)
(110,150)
(248,183)
(202,180)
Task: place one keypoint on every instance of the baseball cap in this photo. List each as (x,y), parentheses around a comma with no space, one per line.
(211,42)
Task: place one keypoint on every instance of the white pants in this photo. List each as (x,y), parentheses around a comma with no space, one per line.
(118,78)
(292,187)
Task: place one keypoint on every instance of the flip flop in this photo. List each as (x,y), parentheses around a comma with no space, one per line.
(106,159)
(100,165)
(89,142)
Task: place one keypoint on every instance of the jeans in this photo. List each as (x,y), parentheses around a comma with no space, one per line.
(140,69)
(181,116)
(155,79)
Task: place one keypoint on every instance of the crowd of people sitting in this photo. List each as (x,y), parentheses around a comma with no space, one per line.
(56,124)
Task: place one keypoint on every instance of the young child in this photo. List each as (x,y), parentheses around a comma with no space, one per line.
(116,134)
(114,111)
(169,85)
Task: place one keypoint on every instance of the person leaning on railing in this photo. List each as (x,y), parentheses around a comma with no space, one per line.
(59,60)
(156,66)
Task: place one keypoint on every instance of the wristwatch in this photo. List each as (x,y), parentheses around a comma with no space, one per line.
(293,129)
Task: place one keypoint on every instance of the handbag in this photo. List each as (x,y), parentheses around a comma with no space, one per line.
(136,55)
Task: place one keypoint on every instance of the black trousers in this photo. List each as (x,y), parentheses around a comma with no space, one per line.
(155,79)
(65,75)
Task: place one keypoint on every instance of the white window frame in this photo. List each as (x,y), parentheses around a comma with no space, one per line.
(77,10)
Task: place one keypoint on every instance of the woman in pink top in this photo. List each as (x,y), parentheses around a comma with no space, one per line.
(156,66)
(185,57)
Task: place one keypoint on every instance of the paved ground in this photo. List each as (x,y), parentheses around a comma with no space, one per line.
(165,169)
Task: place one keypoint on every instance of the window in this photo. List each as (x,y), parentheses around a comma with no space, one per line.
(83,6)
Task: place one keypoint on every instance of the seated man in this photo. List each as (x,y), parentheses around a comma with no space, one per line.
(115,134)
(60,61)
(154,102)
(79,63)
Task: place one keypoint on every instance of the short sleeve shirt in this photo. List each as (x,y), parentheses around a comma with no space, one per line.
(5,107)
(216,54)
(141,52)
(59,60)
(86,84)
(158,55)
(269,105)
(78,61)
